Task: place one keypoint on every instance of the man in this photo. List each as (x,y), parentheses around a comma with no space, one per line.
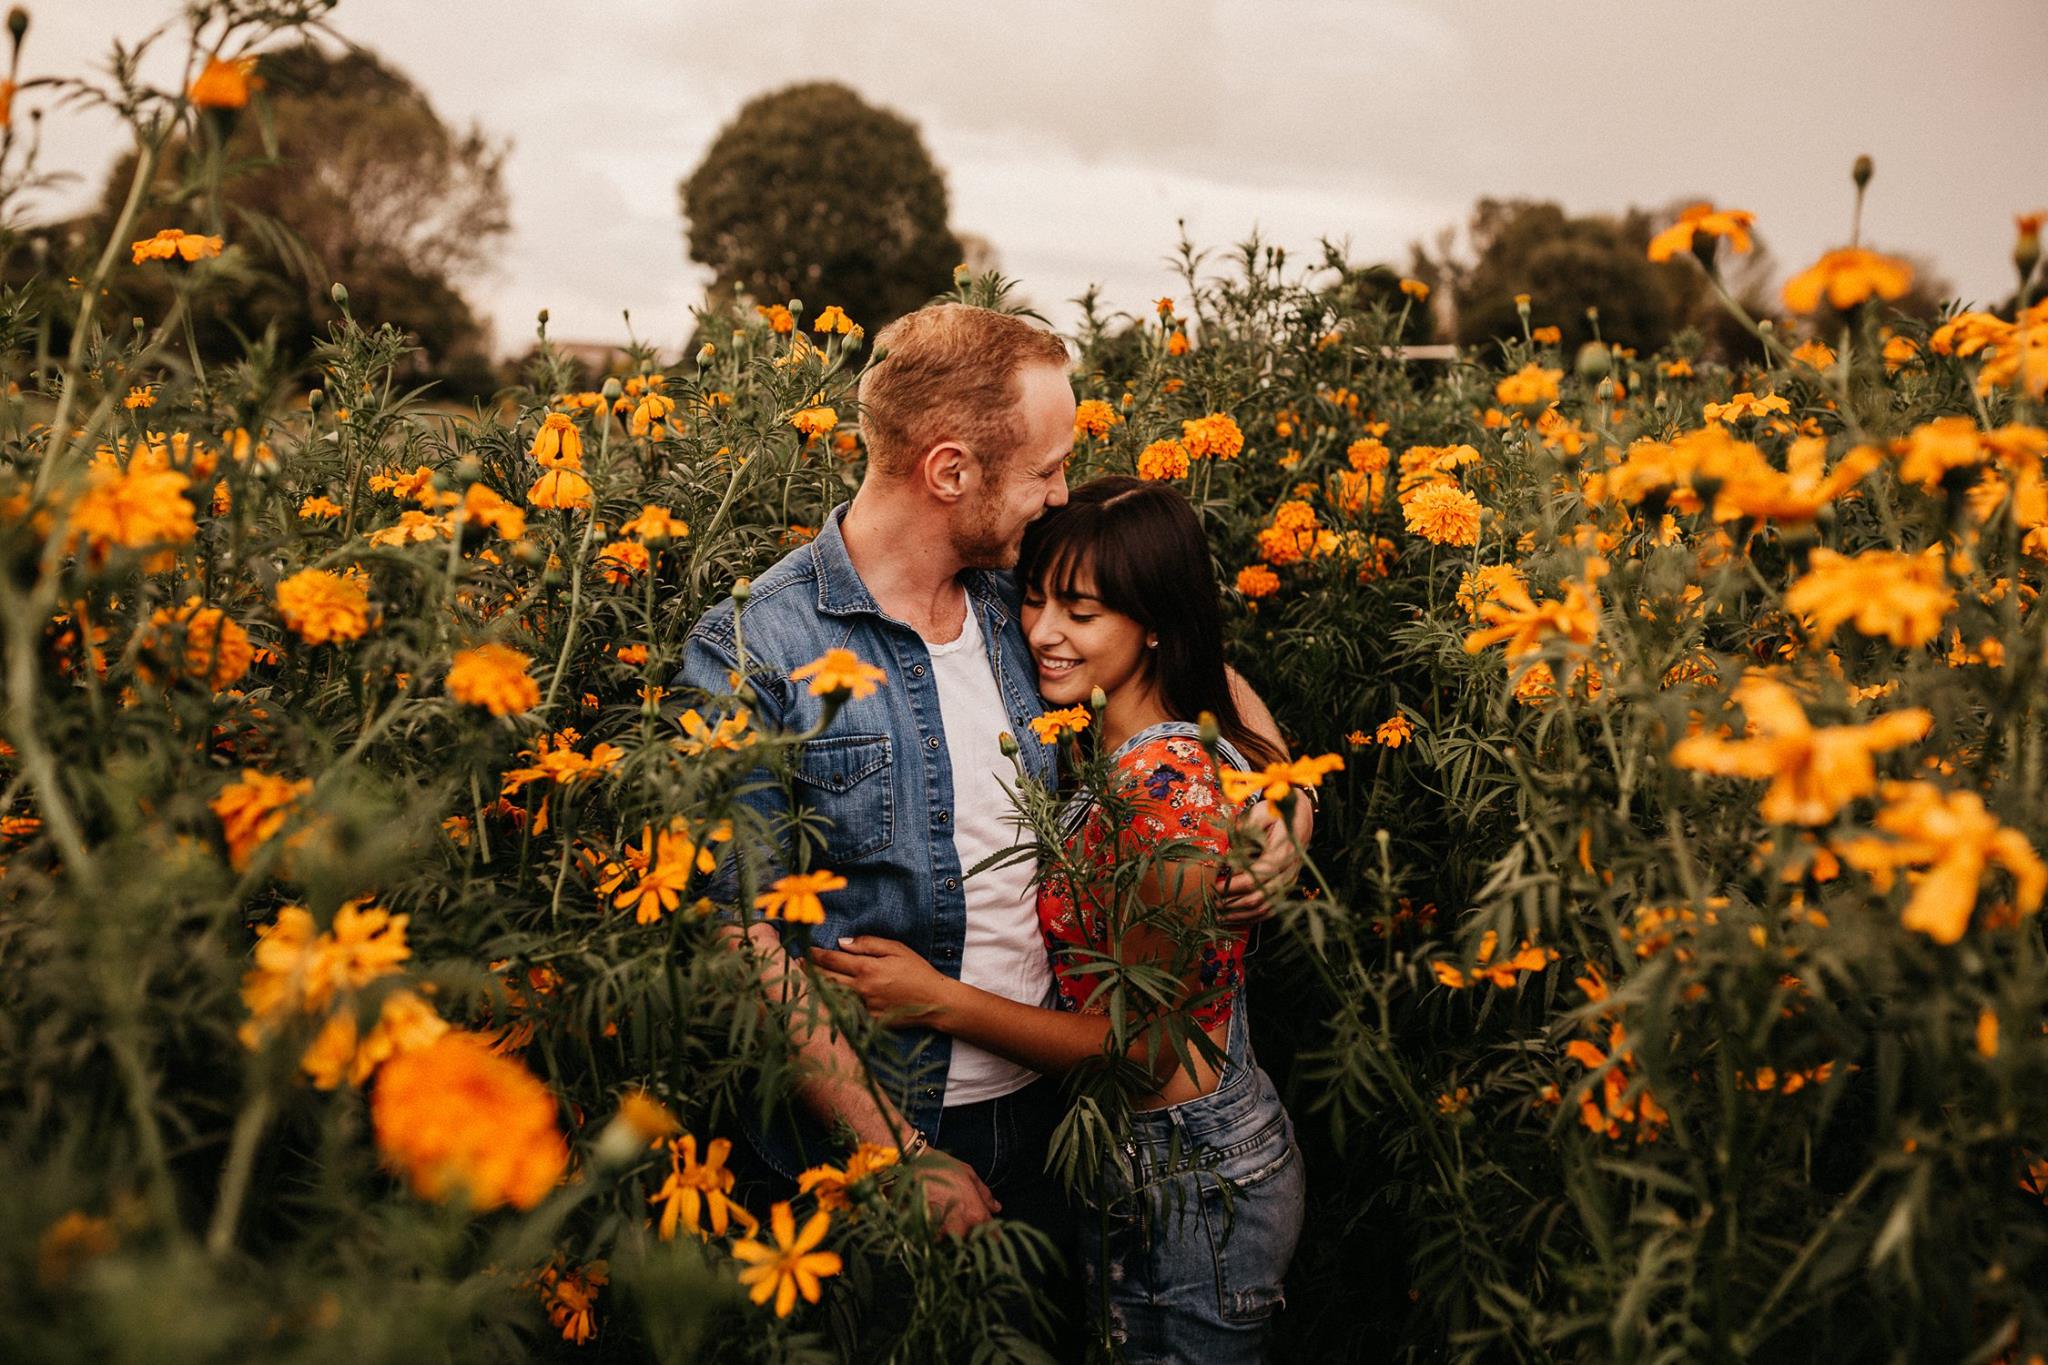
(968,419)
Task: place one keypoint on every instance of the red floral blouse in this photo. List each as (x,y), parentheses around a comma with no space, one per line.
(1173,790)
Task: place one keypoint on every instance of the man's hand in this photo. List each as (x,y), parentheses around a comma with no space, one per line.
(954,1194)
(1245,895)
(890,978)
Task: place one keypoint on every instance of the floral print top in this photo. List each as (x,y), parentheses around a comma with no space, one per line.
(1172,786)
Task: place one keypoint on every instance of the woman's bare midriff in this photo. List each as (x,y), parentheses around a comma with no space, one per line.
(1182,1086)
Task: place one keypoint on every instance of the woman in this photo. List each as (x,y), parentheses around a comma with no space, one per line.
(1197,1223)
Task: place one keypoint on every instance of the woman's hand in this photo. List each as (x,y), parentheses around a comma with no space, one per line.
(890,978)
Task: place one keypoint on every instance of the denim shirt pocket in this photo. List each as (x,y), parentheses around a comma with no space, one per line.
(845,779)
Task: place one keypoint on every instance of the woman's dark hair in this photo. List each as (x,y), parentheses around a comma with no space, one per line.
(1150,561)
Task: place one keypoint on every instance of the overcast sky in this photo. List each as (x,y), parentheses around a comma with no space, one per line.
(1074,132)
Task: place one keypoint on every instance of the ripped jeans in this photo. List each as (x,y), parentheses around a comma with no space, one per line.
(1193,1239)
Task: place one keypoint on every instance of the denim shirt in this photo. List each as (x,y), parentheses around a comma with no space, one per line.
(881,775)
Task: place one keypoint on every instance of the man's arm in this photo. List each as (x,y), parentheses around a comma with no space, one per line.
(1279,860)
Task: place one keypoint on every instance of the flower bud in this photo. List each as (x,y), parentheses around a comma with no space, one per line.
(796,308)
(339,293)
(542,317)
(1860,172)
(2026,250)
(1007,742)
(1522,306)
(612,389)
(17,22)
(1210,731)
(705,352)
(1593,362)
(315,398)
(1096,700)
(740,588)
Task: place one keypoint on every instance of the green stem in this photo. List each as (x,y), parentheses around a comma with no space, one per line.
(234,1180)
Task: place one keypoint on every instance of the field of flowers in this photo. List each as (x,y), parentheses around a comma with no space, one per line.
(1666,982)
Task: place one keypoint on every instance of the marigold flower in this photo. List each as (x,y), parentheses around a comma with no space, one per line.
(1277,781)
(1163,460)
(1898,353)
(556,760)
(457,1120)
(1816,355)
(649,413)
(1483,584)
(1847,277)
(1443,514)
(322,607)
(297,969)
(1932,450)
(413,527)
(172,244)
(140,396)
(225,84)
(666,860)
(494,677)
(560,489)
(1415,289)
(1902,597)
(833,319)
(71,1241)
(794,899)
(253,808)
(789,1266)
(655,525)
(1813,770)
(316,506)
(1948,840)
(1053,724)
(1367,456)
(405,1022)
(779,319)
(134,508)
(558,442)
(1093,417)
(730,734)
(696,1193)
(840,671)
(1177,342)
(1525,624)
(1504,973)
(570,1297)
(216,648)
(1697,230)
(830,1185)
(1394,731)
(1213,437)
(1745,405)
(622,561)
(1256,581)
(815,421)
(482,506)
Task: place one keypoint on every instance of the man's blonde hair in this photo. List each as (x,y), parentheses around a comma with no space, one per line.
(949,372)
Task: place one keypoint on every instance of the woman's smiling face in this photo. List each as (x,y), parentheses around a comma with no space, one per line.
(1078,643)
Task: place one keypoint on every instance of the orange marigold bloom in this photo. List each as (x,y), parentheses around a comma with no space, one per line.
(790,1266)
(1525,624)
(254,808)
(558,442)
(560,489)
(1367,456)
(1215,436)
(1256,581)
(140,396)
(172,244)
(77,1237)
(404,1024)
(225,84)
(413,527)
(322,608)
(830,1185)
(459,1121)
(1813,770)
(649,413)
(1277,781)
(622,560)
(482,506)
(795,898)
(316,505)
(779,319)
(1053,724)
(697,1192)
(556,760)
(1902,597)
(1948,841)
(1415,289)
(840,671)
(1443,514)
(494,677)
(1483,584)
(1504,973)
(1163,460)
(134,508)
(1929,452)
(1846,278)
(216,648)
(833,319)
(1394,731)
(570,1297)
(655,525)
(1697,229)
(1743,405)
(815,421)
(1093,417)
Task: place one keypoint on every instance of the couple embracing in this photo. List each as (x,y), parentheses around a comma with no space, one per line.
(990,592)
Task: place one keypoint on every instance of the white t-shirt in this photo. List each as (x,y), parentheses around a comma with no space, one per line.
(1004,953)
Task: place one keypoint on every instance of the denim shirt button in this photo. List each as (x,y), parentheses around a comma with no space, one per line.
(917,670)
(952,883)
(945,817)
(932,743)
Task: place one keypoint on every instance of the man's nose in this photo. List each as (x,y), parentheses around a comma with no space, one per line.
(1057,497)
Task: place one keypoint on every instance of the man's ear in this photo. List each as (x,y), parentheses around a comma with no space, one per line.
(948,471)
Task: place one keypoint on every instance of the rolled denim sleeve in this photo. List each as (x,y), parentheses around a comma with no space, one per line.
(708,669)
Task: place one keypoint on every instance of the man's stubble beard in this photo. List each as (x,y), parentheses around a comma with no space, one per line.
(980,543)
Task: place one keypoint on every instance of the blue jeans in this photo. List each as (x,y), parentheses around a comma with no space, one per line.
(1191,1246)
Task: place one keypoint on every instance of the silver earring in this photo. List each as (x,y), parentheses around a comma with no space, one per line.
(1152,643)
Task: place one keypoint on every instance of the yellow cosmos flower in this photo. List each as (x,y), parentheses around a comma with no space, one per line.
(172,244)
(459,1121)
(789,1266)
(323,608)
(1946,842)
(840,672)
(1903,598)
(1813,770)
(494,677)
(1846,278)
(794,899)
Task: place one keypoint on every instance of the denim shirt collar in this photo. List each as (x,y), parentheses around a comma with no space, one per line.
(841,592)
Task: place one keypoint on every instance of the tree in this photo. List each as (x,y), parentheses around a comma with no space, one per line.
(366,186)
(1566,265)
(812,193)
